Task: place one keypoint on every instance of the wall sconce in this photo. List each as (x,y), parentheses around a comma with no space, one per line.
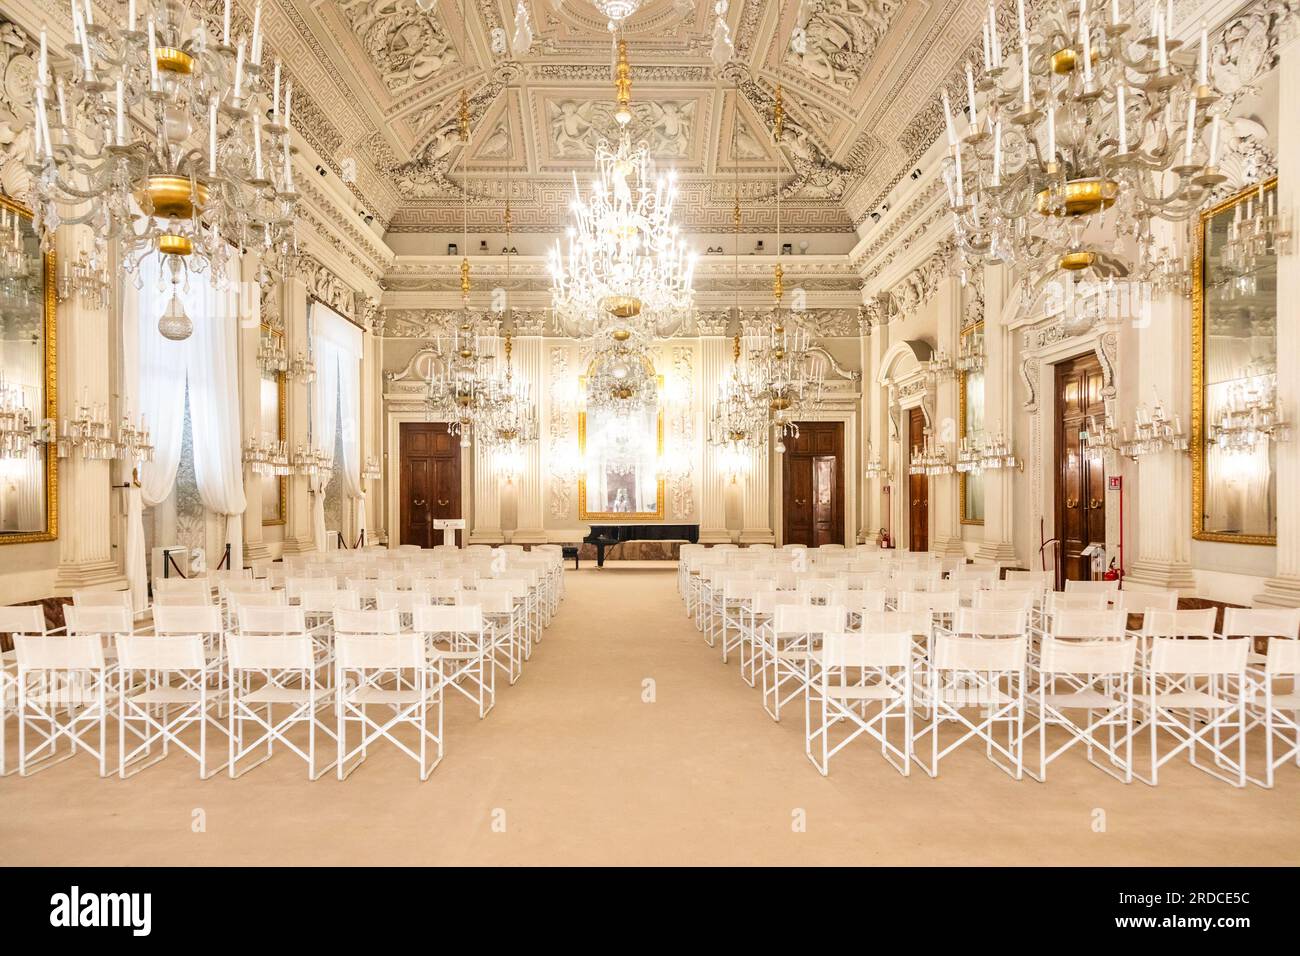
(509,462)
(736,460)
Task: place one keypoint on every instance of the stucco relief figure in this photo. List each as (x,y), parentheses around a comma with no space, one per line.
(746,146)
(670,125)
(572,129)
(839,36)
(497,144)
(405,45)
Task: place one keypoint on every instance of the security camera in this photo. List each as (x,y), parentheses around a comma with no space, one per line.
(322,170)
(875,217)
(370,220)
(916,173)
(884,207)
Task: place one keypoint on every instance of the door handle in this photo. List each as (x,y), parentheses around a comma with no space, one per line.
(443,504)
(417,502)
(1094,503)
(1071,502)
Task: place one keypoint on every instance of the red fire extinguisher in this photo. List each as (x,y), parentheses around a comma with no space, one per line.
(1112,573)
(883,539)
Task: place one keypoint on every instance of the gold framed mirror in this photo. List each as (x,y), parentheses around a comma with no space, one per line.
(29,408)
(1234,370)
(621,451)
(274,425)
(970,422)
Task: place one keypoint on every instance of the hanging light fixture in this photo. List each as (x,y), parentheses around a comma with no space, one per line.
(627,266)
(1096,129)
(210,176)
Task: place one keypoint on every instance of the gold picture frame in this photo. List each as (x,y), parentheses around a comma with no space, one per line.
(619,516)
(1199,432)
(49,451)
(975,328)
(282,394)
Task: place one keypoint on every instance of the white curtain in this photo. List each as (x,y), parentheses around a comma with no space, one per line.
(337,346)
(156,372)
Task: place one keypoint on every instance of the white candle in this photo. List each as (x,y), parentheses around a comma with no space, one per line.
(1024,67)
(90,13)
(275,98)
(1169,16)
(79,30)
(43,69)
(947,120)
(257,148)
(1020,20)
(288,103)
(239,73)
(988,54)
(1121,114)
(212,139)
(1114,12)
(130,15)
(1161,29)
(225,25)
(63,103)
(257,33)
(961,189)
(1214,141)
(970,93)
(1203,65)
(1051,131)
(1191,131)
(994,42)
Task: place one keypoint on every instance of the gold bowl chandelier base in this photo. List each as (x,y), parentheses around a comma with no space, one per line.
(1079,197)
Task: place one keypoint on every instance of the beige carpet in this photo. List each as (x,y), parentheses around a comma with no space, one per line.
(575,768)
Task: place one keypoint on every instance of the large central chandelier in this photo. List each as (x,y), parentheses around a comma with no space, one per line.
(621,378)
(1094,127)
(165,137)
(628,265)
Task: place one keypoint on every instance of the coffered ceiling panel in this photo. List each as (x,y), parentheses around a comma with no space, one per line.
(384,79)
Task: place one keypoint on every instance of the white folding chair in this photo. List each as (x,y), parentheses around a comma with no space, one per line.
(1281,708)
(860,672)
(389,672)
(97,597)
(1098,678)
(1077,601)
(463,630)
(1189,696)
(63,692)
(164,691)
(271,621)
(403,602)
(795,635)
(367,621)
(1005,600)
(265,672)
(1093,587)
(506,632)
(977,672)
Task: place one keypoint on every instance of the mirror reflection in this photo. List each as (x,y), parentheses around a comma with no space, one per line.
(620,436)
(970,387)
(1236,380)
(271,424)
(27,463)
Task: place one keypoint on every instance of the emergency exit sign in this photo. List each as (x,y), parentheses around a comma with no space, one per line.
(1113,482)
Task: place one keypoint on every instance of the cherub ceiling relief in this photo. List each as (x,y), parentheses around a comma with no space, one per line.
(816,175)
(405,44)
(833,40)
(576,126)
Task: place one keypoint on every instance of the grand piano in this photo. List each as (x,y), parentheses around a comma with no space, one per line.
(607,535)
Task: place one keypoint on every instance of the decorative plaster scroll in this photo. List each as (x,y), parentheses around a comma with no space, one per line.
(17,81)
(839,39)
(1029,375)
(920,285)
(406,45)
(418,371)
(561,427)
(682,484)
(327,287)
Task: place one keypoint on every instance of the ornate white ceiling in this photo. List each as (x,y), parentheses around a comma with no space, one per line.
(382,80)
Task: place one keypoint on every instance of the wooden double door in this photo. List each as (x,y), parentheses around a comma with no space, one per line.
(813,485)
(430,481)
(1080,477)
(918,487)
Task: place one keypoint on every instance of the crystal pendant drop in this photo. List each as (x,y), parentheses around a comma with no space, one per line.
(175,325)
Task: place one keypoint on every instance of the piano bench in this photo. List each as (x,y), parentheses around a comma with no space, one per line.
(570,551)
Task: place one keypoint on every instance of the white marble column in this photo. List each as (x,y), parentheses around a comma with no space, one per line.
(1162,517)
(714,355)
(756,527)
(293,306)
(999,413)
(875,429)
(250,408)
(1283,589)
(530,518)
(85,344)
(945,514)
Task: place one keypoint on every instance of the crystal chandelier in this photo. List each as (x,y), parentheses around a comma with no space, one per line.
(980,453)
(87,434)
(370,471)
(267,457)
(1101,433)
(739,420)
(17,430)
(621,379)
(272,357)
(509,416)
(462,391)
(302,367)
(208,171)
(85,279)
(1250,415)
(938,366)
(929,458)
(627,265)
(1154,432)
(1095,127)
(133,442)
(15,264)
(874,468)
(1257,231)
(971,357)
(311,462)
